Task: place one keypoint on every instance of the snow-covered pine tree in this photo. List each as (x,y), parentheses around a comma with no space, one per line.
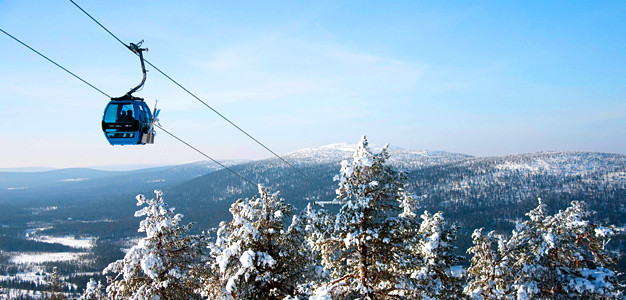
(440,275)
(319,225)
(56,285)
(489,273)
(257,257)
(562,256)
(93,291)
(366,247)
(548,257)
(160,265)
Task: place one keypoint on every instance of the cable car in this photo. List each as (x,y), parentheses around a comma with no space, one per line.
(127,120)
(128,123)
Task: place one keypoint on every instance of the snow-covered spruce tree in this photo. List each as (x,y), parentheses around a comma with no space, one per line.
(440,275)
(160,265)
(367,248)
(257,257)
(559,257)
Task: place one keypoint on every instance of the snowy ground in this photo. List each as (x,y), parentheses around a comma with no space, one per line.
(41,257)
(15,293)
(16,188)
(70,241)
(37,276)
(75,179)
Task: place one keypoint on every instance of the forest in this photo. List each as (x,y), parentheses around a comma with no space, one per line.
(378,245)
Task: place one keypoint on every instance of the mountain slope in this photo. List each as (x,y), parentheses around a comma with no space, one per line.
(82,185)
(480,190)
(475,191)
(335,153)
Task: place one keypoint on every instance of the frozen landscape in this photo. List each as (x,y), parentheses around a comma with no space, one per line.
(51,227)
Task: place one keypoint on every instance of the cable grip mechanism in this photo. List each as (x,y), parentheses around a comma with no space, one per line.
(135,48)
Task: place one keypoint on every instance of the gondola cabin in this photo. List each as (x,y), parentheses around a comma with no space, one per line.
(127,122)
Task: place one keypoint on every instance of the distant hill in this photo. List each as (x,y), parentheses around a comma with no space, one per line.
(474,191)
(335,153)
(82,185)
(497,191)
(491,192)
(206,199)
(27,169)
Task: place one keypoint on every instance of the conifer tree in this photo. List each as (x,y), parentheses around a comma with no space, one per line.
(547,257)
(257,257)
(562,256)
(56,286)
(161,264)
(367,247)
(439,275)
(489,273)
(93,291)
(319,223)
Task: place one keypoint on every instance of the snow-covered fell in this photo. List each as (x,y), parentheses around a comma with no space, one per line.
(404,159)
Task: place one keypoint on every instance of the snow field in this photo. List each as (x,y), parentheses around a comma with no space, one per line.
(41,257)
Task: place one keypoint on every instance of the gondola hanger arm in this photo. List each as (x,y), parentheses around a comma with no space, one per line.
(135,48)
(139,51)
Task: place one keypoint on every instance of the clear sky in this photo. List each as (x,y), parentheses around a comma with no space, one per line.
(479,78)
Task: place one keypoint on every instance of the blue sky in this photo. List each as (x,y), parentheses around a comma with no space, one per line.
(480,78)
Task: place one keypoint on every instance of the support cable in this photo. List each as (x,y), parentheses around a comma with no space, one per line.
(234,125)
(113,35)
(95,88)
(64,69)
(194,148)
(205,104)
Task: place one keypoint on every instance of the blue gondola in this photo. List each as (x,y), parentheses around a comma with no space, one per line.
(128,123)
(127,120)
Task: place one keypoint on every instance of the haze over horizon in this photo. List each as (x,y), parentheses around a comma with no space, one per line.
(133,167)
(480,78)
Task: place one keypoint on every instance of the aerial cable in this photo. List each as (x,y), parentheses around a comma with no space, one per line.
(200,100)
(194,148)
(113,35)
(233,124)
(50,60)
(156,125)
